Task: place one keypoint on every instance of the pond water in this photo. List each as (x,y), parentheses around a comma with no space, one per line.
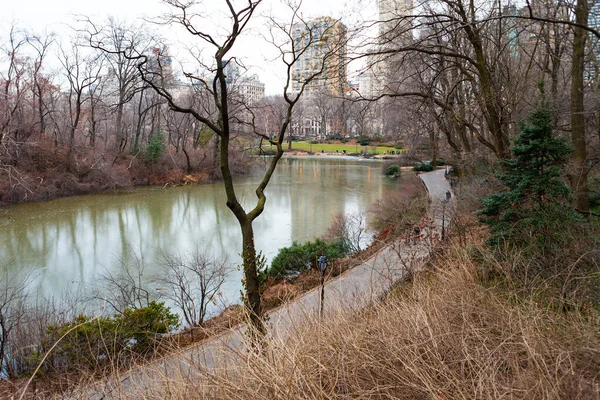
(66,244)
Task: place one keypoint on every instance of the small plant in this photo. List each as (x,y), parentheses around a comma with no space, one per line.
(393,171)
(300,257)
(364,142)
(314,142)
(423,167)
(85,341)
(155,148)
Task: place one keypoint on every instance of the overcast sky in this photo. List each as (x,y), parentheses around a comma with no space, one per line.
(39,16)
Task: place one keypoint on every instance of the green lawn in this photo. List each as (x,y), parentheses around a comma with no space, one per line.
(340,147)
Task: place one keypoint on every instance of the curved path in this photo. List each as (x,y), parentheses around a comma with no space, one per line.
(352,290)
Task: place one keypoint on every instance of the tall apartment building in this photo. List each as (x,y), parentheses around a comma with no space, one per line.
(325,41)
(392,26)
(250,87)
(371,79)
(393,31)
(231,71)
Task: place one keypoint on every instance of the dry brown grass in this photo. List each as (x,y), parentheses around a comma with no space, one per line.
(454,332)
(442,336)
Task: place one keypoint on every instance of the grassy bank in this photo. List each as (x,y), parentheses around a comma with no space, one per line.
(441,337)
(449,333)
(340,147)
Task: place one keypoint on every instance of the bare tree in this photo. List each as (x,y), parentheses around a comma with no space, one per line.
(126,41)
(41,46)
(125,288)
(579,175)
(211,77)
(351,229)
(192,282)
(13,90)
(81,73)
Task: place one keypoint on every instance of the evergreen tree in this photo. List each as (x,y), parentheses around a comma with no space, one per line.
(155,148)
(536,196)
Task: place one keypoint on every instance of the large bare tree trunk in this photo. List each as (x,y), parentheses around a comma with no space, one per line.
(579,173)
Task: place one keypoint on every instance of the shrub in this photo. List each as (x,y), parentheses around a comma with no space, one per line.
(350,229)
(87,341)
(314,142)
(393,171)
(155,148)
(422,167)
(400,209)
(300,257)
(364,142)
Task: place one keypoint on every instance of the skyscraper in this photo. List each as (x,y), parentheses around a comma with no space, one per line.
(324,41)
(393,22)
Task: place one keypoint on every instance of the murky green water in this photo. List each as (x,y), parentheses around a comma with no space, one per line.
(67,243)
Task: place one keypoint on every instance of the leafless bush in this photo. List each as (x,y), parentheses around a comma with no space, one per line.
(350,229)
(124,287)
(29,341)
(24,321)
(192,282)
(400,209)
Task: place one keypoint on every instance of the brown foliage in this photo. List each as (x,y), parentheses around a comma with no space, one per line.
(400,209)
(37,171)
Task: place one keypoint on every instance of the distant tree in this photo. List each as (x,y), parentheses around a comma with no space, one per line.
(82,74)
(156,148)
(41,46)
(125,40)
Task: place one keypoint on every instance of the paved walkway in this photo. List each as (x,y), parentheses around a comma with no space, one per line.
(353,290)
